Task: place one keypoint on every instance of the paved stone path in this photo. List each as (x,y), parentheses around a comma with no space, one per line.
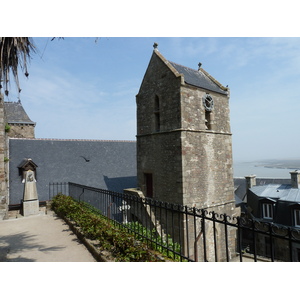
(40,238)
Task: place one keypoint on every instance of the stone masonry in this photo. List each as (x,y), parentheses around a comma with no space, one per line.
(3,162)
(186,149)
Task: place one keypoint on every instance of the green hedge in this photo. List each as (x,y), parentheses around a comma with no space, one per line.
(117,240)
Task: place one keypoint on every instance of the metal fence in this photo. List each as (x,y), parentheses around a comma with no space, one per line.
(187,233)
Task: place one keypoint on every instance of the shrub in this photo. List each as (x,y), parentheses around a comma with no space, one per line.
(7,128)
(117,240)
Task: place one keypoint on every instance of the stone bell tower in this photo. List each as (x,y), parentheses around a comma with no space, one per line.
(184,148)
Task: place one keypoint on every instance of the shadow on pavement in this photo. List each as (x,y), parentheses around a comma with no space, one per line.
(11,245)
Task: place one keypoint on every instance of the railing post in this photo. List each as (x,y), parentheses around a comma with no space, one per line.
(226,238)
(204,234)
(215,239)
(240,238)
(271,242)
(254,240)
(186,239)
(290,244)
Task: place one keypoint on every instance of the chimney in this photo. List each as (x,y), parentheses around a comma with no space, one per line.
(295,179)
(250,181)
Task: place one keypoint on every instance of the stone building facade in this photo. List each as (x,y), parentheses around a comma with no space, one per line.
(14,123)
(3,162)
(18,122)
(184,148)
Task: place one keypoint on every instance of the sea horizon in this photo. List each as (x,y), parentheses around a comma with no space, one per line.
(258,168)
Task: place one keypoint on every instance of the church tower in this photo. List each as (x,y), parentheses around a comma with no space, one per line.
(19,124)
(184,148)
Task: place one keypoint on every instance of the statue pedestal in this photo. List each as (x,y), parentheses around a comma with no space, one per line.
(30,207)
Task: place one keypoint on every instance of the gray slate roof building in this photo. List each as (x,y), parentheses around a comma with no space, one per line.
(241,189)
(109,165)
(15,113)
(282,192)
(277,202)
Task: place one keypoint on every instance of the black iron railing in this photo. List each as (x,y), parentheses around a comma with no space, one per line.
(187,233)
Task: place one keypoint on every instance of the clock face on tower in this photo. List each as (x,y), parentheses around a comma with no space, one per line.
(208,102)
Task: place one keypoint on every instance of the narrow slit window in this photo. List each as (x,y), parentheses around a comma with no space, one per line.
(148,179)
(157,113)
(208,120)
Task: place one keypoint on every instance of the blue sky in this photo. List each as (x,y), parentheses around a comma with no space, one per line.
(83,88)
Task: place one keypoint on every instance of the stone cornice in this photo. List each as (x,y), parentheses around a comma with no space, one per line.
(186,130)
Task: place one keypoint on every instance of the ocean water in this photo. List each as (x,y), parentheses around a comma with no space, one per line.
(242,169)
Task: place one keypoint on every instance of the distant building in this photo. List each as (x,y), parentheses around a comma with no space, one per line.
(279,204)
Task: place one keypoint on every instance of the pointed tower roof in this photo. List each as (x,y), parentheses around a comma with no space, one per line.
(15,113)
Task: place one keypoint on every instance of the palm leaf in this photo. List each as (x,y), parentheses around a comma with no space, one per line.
(14,54)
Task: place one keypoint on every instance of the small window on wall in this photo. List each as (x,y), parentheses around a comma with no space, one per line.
(297,217)
(157,113)
(208,120)
(267,211)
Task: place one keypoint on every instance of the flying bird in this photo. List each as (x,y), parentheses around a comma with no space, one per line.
(87,160)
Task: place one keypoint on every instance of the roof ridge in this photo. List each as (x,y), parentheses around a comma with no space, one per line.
(83,140)
(214,80)
(182,65)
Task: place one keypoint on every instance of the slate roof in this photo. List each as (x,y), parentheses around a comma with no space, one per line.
(199,78)
(15,113)
(283,192)
(109,165)
(240,185)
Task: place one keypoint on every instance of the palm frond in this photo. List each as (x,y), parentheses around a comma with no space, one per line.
(14,53)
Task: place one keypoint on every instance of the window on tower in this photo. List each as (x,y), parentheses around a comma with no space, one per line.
(157,114)
(208,120)
(148,181)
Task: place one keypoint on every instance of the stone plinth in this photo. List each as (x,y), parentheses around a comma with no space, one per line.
(30,207)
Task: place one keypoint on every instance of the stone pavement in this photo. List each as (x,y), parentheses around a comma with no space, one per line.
(40,238)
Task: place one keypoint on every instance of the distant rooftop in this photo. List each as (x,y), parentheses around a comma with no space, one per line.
(15,113)
(283,192)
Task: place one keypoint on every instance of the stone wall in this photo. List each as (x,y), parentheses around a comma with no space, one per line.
(21,131)
(3,162)
(158,81)
(156,148)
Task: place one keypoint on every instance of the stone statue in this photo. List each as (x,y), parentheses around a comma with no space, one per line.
(30,191)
